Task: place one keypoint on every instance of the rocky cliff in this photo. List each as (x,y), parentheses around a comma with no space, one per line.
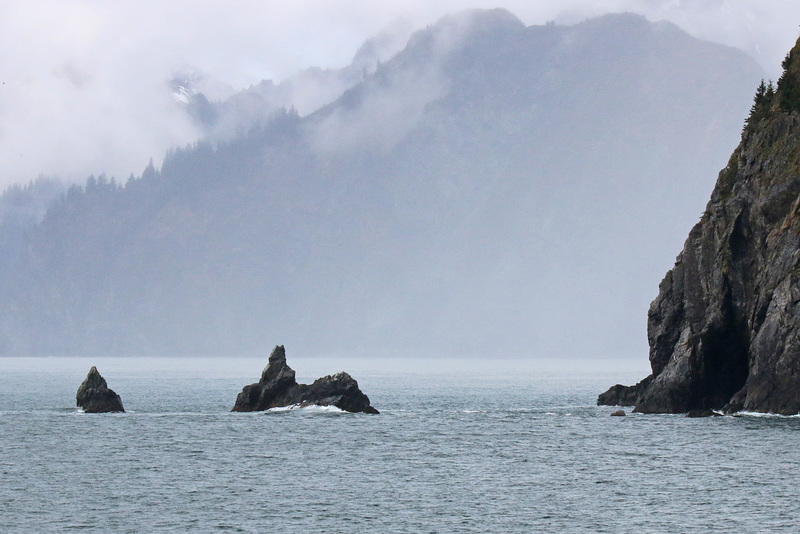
(724,331)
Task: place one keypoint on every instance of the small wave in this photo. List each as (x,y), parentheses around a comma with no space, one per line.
(178,414)
(307,408)
(81,411)
(771,415)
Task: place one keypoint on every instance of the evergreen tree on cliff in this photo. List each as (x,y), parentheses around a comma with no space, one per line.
(724,331)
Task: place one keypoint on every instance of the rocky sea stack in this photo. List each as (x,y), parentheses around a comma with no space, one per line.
(278,387)
(95,397)
(724,331)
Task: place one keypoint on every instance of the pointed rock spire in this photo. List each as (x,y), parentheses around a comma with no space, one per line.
(94,396)
(277,368)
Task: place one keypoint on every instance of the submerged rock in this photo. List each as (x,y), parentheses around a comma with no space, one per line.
(724,331)
(94,396)
(278,388)
(618,413)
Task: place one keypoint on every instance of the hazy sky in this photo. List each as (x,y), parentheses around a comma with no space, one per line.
(84,81)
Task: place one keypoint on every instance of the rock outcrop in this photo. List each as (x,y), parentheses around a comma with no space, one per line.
(278,387)
(620,395)
(94,396)
(724,331)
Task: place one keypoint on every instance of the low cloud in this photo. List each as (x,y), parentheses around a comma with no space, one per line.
(83,83)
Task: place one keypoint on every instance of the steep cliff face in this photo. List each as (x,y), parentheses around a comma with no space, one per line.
(724,331)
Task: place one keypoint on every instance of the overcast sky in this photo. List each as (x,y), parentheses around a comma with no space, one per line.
(84,81)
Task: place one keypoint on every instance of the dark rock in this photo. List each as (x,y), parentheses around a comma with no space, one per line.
(278,387)
(702,413)
(95,397)
(620,395)
(724,331)
(618,413)
(736,404)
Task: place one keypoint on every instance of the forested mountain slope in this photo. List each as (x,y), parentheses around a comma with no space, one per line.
(492,188)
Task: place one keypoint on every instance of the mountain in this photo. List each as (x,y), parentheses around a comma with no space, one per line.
(492,188)
(22,208)
(724,328)
(223,118)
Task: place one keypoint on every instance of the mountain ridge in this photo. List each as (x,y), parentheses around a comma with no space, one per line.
(467,214)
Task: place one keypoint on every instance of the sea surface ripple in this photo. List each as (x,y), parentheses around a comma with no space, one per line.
(515,446)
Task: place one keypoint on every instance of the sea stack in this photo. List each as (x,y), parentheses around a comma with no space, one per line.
(94,396)
(278,388)
(724,331)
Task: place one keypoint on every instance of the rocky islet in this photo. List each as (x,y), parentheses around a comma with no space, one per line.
(278,388)
(94,395)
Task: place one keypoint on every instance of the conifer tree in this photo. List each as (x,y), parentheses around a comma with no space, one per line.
(789,86)
(762,103)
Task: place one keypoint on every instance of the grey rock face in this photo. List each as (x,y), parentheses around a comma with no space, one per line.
(94,396)
(278,387)
(724,331)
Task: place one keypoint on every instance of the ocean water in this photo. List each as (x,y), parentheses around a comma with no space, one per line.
(460,446)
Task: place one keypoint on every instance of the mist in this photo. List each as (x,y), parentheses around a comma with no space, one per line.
(492,188)
(85,83)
